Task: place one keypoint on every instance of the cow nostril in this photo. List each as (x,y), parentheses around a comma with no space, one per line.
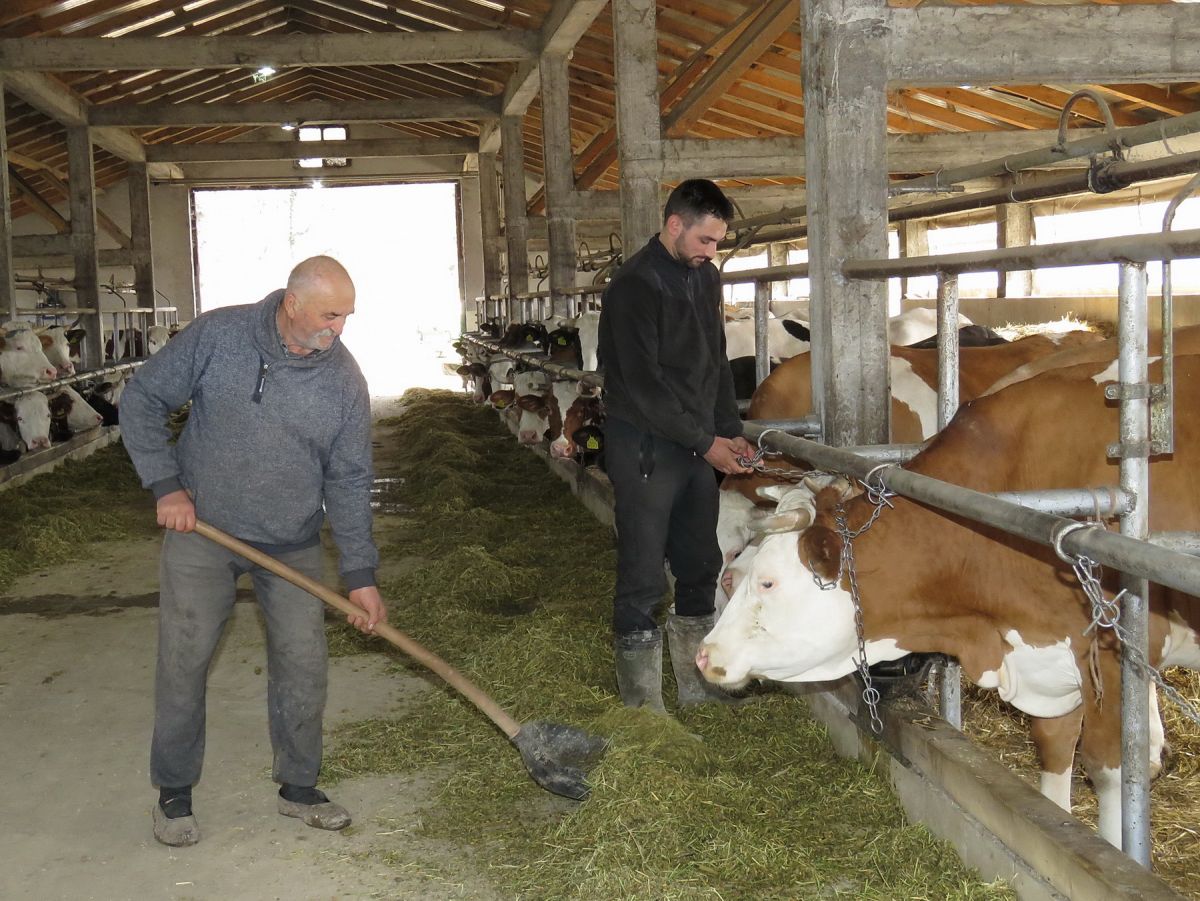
(701,659)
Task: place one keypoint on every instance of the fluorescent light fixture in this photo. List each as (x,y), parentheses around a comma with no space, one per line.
(265,72)
(317,183)
(288,126)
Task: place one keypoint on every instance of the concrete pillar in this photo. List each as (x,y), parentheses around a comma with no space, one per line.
(139,234)
(489,215)
(845,117)
(8,291)
(82,184)
(914,242)
(560,179)
(1014,228)
(777,255)
(516,223)
(639,121)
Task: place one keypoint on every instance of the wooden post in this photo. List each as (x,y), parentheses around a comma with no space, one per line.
(845,109)
(139,233)
(560,179)
(82,183)
(913,236)
(777,255)
(1014,228)
(639,124)
(8,289)
(516,223)
(489,213)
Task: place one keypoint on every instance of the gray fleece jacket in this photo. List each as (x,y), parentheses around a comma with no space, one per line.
(271,438)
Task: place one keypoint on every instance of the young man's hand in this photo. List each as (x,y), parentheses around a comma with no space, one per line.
(724,452)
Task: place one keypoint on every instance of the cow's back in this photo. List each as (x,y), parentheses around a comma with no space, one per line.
(1187,341)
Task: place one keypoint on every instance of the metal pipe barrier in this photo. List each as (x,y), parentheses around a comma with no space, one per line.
(1007,165)
(8,393)
(1158,564)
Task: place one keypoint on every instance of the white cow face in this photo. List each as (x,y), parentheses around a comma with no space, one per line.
(57,349)
(500,370)
(33,420)
(82,416)
(157,337)
(780,624)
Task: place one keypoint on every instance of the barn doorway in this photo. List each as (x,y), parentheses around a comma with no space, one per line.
(399,243)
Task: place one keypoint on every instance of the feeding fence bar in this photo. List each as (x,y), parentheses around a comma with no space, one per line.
(7,393)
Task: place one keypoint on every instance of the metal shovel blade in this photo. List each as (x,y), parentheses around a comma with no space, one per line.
(558,756)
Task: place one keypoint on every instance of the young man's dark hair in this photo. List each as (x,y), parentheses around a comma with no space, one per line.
(696,198)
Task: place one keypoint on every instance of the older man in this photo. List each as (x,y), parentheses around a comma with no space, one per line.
(277,438)
(672,419)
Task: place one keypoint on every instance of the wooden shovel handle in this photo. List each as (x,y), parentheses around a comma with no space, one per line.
(418,652)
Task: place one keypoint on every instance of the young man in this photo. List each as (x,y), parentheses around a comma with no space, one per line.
(278,436)
(671,419)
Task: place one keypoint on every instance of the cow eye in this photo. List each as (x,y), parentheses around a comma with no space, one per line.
(766,584)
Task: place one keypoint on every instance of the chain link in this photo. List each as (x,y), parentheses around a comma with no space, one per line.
(1107,615)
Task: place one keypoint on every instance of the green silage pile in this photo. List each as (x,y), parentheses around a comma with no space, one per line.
(513,585)
(46,520)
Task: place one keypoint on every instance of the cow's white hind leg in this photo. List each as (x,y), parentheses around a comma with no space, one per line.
(1057,787)
(1158,737)
(1107,783)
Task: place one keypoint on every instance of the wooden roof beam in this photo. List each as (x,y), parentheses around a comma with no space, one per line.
(772,20)
(294,150)
(56,100)
(563,26)
(995,45)
(416,109)
(228,52)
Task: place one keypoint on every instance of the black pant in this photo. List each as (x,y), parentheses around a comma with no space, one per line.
(666,507)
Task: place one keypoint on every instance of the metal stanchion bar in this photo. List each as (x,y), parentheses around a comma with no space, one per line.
(7,393)
(1073,502)
(950,679)
(1117,551)
(1030,159)
(534,361)
(1134,454)
(1129,248)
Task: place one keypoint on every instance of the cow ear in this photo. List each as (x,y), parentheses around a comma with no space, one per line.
(820,549)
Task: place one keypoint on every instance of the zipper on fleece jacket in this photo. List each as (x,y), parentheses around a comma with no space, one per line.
(263,366)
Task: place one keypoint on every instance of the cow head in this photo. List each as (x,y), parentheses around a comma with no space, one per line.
(57,349)
(33,420)
(535,415)
(790,619)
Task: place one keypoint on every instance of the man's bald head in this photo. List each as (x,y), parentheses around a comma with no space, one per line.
(319,276)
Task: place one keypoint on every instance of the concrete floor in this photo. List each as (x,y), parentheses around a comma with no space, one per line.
(77,648)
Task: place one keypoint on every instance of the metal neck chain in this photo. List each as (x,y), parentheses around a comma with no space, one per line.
(776,472)
(1106,614)
(846,570)
(878,496)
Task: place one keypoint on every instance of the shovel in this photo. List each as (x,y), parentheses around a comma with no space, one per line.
(554,754)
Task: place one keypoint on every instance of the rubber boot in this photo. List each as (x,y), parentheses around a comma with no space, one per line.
(685,634)
(638,657)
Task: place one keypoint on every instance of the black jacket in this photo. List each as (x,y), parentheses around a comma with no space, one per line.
(662,349)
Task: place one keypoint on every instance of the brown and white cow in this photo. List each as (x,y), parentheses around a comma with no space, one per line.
(1007,609)
(787,394)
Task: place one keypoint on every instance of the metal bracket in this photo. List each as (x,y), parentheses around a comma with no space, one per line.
(1135,391)
(1120,450)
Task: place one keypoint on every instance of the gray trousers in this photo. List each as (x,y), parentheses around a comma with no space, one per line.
(196,594)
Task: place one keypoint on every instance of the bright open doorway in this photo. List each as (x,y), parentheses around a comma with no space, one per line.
(399,243)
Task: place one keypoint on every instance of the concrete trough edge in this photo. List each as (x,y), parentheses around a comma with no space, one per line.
(76,447)
(998,824)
